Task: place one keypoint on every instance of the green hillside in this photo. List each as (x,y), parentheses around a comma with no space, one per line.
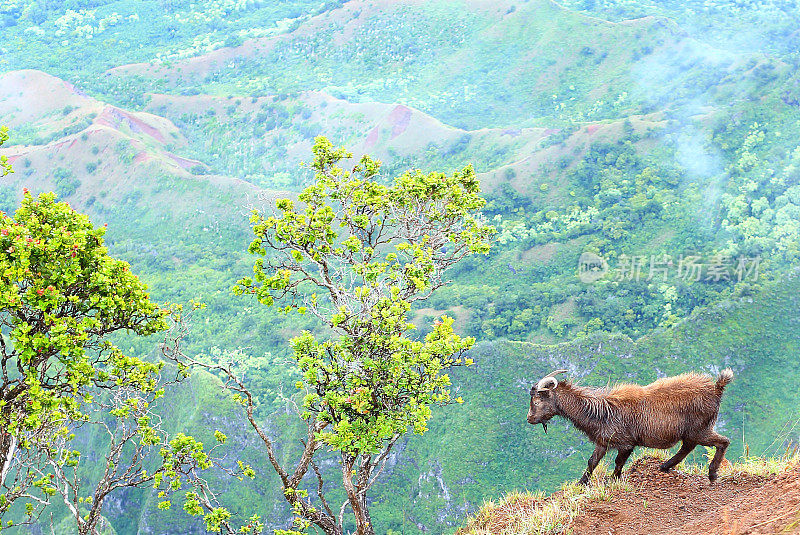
(767,26)
(502,64)
(485,448)
(641,132)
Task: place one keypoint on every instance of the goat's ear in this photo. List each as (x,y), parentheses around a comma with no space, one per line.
(533,390)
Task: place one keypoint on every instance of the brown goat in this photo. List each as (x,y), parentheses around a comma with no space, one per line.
(682,408)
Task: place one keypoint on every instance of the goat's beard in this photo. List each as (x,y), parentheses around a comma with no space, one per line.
(544,426)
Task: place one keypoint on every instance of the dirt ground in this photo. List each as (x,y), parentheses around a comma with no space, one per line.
(677,503)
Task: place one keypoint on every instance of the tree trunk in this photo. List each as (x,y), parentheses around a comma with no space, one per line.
(363,520)
(356,495)
(329,526)
(319,518)
(8,445)
(94,522)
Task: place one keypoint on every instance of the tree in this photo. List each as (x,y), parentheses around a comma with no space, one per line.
(61,296)
(5,166)
(139,453)
(357,254)
(126,419)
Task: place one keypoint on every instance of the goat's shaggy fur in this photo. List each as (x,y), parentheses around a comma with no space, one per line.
(670,410)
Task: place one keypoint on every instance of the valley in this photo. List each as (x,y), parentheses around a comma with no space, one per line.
(627,131)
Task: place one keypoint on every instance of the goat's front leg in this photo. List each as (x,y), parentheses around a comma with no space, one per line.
(686,448)
(622,458)
(598,454)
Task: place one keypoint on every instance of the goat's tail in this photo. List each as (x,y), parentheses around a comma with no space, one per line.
(725,377)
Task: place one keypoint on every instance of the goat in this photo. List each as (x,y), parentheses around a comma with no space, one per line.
(682,408)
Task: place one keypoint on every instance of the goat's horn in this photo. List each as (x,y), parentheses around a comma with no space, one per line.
(547,383)
(553,374)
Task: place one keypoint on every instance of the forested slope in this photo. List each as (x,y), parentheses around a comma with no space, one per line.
(485,447)
(641,138)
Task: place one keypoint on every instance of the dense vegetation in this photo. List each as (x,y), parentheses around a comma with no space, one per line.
(665,146)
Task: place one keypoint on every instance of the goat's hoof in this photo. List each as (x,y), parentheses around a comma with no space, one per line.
(584,481)
(712,476)
(664,468)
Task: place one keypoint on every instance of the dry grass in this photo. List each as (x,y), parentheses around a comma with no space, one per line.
(525,513)
(757,466)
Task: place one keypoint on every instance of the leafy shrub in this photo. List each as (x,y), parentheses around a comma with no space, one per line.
(65,183)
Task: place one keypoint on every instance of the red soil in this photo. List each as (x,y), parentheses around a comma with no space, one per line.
(678,503)
(372,137)
(400,117)
(115,117)
(185,163)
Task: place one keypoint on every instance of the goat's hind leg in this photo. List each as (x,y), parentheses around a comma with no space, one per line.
(721,444)
(622,458)
(672,462)
(596,457)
